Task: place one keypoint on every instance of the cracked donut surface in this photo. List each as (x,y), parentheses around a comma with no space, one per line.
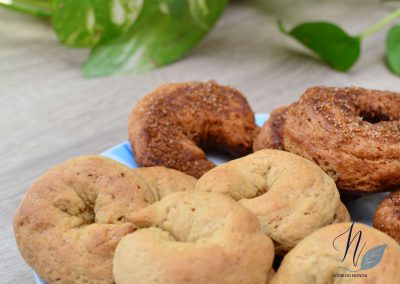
(291,196)
(194,237)
(72,218)
(352,133)
(173,124)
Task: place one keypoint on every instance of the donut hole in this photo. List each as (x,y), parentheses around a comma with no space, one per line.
(73,203)
(373,117)
(261,191)
(215,155)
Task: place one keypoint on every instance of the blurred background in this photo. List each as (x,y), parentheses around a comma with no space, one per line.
(50,112)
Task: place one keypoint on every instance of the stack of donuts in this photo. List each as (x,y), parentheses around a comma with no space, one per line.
(180,218)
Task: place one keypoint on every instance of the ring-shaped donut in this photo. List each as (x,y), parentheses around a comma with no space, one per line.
(327,256)
(194,237)
(352,133)
(173,124)
(291,196)
(72,218)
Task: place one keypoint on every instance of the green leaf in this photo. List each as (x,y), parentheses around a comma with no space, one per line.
(86,23)
(159,36)
(176,7)
(393,49)
(330,42)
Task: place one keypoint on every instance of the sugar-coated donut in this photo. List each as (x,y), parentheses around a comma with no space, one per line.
(72,218)
(197,238)
(352,133)
(291,196)
(170,126)
(270,135)
(321,257)
(387,215)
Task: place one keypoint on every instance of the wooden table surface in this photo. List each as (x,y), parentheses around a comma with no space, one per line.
(49,113)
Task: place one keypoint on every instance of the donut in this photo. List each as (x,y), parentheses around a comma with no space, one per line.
(162,181)
(72,218)
(387,216)
(270,135)
(291,196)
(173,124)
(194,237)
(352,133)
(321,258)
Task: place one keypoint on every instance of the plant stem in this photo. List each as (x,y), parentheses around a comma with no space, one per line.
(390,18)
(28,8)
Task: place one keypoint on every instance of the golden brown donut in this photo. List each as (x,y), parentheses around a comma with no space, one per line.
(387,216)
(291,196)
(72,218)
(194,237)
(352,133)
(170,126)
(162,181)
(319,258)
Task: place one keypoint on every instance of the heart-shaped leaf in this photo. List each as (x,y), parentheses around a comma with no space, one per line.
(159,36)
(372,257)
(86,23)
(330,42)
(393,49)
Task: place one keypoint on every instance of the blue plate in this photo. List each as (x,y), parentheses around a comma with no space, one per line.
(361,210)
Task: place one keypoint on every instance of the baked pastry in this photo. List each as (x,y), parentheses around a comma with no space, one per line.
(70,221)
(387,216)
(194,237)
(352,133)
(321,258)
(162,181)
(170,126)
(270,135)
(291,196)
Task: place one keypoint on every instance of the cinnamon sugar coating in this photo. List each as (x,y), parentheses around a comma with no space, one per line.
(352,133)
(387,216)
(173,124)
(270,135)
